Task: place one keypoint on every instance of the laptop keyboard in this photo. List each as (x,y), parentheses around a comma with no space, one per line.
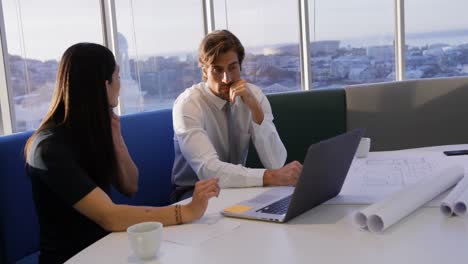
(279,207)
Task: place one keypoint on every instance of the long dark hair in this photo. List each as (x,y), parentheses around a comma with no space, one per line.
(80,107)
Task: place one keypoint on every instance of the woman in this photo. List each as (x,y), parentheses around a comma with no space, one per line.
(78,152)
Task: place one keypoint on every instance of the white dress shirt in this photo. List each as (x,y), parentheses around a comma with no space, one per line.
(202,144)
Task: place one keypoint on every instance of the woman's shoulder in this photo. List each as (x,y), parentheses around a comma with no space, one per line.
(46,143)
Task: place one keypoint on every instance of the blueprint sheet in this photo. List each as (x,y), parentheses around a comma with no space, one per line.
(371,179)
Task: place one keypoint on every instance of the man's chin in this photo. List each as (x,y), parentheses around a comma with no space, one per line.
(224,95)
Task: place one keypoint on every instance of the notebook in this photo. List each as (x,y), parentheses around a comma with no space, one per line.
(324,171)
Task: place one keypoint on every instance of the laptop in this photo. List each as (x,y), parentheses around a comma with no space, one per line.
(324,171)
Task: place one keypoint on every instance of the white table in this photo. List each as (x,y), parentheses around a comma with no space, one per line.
(321,235)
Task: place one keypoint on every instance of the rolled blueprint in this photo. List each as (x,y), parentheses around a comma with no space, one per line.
(361,217)
(460,204)
(385,213)
(448,204)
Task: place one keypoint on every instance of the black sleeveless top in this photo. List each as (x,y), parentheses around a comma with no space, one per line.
(59,182)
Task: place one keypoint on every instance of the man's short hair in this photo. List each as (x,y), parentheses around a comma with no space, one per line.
(216,43)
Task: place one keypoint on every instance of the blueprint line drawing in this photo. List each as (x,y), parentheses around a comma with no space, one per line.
(398,171)
(382,173)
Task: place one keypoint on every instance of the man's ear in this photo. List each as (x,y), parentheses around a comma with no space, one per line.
(204,73)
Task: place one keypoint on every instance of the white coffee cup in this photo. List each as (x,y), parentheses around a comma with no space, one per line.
(363,148)
(145,239)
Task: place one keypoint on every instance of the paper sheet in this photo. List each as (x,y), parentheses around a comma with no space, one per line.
(385,213)
(238,208)
(384,173)
(197,232)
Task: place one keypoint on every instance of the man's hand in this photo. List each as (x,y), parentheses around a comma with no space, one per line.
(204,191)
(239,88)
(287,175)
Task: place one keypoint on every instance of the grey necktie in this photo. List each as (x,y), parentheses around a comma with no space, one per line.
(233,155)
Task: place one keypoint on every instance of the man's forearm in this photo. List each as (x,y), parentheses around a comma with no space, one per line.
(257,114)
(231,175)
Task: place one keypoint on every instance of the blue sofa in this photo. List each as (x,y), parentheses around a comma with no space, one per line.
(149,137)
(19,230)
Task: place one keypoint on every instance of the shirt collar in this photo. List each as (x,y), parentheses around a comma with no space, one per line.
(218,102)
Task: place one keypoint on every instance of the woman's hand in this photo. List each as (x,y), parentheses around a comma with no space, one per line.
(127,172)
(204,190)
(116,133)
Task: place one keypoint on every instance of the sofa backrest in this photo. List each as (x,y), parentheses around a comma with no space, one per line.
(410,114)
(303,118)
(150,140)
(19,228)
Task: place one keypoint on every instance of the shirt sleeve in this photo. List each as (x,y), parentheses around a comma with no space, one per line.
(267,142)
(64,176)
(200,153)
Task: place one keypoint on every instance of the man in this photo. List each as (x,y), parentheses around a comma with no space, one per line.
(215,120)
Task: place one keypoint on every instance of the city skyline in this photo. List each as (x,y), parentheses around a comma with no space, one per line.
(154,82)
(451,37)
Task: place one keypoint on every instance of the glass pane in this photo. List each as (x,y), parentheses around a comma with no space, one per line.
(158,43)
(1,119)
(437,38)
(269,31)
(351,42)
(37,34)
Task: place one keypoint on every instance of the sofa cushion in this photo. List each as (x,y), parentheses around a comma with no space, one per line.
(30,259)
(19,227)
(303,118)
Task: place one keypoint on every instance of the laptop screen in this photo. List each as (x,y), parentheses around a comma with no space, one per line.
(324,171)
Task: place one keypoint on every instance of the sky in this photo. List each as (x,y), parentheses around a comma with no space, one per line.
(165,27)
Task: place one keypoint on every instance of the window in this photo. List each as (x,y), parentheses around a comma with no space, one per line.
(158,43)
(37,34)
(436,38)
(269,31)
(1,121)
(351,42)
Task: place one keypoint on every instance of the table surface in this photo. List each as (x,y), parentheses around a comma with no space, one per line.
(324,234)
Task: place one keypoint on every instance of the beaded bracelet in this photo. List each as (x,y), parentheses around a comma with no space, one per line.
(178,214)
